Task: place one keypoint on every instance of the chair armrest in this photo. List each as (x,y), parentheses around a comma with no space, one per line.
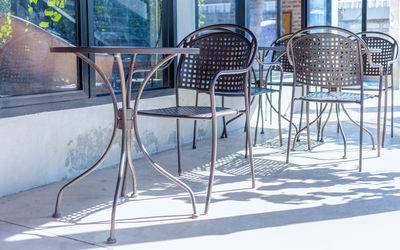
(227,72)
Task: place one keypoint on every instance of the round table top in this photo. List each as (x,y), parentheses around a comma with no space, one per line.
(124,50)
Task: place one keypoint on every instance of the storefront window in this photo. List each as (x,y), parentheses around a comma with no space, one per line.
(216,11)
(27,29)
(130,23)
(262,20)
(378,15)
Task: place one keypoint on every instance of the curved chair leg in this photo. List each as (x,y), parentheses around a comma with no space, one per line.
(308,125)
(195,122)
(301,118)
(385,111)
(341,131)
(224,132)
(366,130)
(258,118)
(178,141)
(270,110)
(318,121)
(121,169)
(280,117)
(212,164)
(326,122)
(301,130)
(248,139)
(361,134)
(290,129)
(392,107)
(262,116)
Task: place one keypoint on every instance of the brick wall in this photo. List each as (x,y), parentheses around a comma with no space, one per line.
(293,6)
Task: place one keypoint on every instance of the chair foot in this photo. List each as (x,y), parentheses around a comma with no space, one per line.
(195,216)
(322,140)
(111,241)
(293,149)
(179,173)
(344,157)
(134,195)
(298,139)
(56,215)
(373,148)
(194,147)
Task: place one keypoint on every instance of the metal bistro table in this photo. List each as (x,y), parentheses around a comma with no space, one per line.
(125,117)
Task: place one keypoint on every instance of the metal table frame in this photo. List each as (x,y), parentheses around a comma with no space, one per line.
(125,118)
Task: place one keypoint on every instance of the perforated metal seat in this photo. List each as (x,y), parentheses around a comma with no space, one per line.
(335,97)
(189,112)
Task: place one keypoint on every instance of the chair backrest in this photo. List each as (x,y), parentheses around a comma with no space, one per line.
(389,51)
(222,47)
(283,60)
(331,59)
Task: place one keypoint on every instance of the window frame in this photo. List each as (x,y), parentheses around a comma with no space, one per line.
(306,12)
(85,73)
(241,17)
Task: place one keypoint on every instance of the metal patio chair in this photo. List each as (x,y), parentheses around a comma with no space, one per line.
(329,58)
(223,65)
(387,57)
(257,88)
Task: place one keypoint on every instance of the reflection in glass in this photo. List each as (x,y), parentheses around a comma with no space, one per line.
(349,14)
(129,23)
(216,11)
(378,15)
(27,30)
(262,20)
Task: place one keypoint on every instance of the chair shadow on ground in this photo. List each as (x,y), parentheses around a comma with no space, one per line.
(368,193)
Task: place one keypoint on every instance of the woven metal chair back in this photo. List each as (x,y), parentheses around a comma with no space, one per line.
(222,47)
(283,60)
(330,60)
(389,48)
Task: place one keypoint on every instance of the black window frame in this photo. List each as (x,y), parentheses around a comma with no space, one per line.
(86,74)
(306,11)
(241,17)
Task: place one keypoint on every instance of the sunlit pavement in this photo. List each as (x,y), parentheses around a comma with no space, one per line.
(317,201)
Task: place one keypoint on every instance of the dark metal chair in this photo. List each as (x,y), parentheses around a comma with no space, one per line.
(223,65)
(329,58)
(281,57)
(387,57)
(257,88)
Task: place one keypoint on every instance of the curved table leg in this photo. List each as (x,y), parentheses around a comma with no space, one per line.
(279,113)
(302,129)
(341,130)
(325,123)
(56,213)
(358,125)
(143,149)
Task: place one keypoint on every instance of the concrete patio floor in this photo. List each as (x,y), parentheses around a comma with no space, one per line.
(318,201)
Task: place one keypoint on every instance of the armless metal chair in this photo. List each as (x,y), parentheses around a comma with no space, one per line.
(329,58)
(227,52)
(387,57)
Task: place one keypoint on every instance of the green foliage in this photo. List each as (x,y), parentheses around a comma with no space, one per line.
(201,15)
